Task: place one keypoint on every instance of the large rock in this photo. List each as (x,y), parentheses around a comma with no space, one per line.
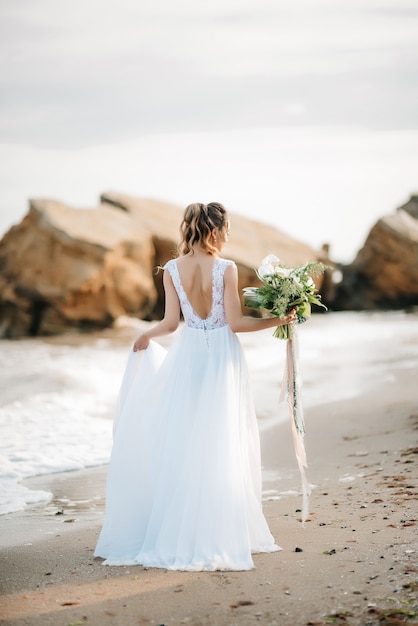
(63,268)
(385,271)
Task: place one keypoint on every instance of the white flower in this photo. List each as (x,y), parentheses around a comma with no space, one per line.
(297,281)
(270,258)
(268,265)
(250,292)
(283,272)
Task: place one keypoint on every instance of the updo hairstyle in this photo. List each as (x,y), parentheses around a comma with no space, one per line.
(199,222)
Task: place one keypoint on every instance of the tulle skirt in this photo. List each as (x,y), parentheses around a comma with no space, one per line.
(184,480)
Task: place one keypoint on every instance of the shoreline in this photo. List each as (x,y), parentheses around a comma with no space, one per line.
(77,378)
(358,558)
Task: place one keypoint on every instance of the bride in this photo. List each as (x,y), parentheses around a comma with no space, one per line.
(184,480)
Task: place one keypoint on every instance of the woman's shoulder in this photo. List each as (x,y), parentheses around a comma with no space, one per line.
(170,265)
(225,266)
(225,263)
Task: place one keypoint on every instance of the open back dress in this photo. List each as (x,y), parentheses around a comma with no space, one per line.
(184,479)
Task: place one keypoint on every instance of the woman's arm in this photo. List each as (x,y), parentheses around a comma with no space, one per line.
(170,321)
(238,322)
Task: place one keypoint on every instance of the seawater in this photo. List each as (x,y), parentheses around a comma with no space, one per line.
(57,395)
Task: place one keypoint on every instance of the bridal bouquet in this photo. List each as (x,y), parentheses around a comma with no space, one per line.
(284,289)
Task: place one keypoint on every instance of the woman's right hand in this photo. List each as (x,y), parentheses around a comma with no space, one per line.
(141,343)
(288,318)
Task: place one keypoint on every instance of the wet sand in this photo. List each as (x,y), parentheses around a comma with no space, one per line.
(355,561)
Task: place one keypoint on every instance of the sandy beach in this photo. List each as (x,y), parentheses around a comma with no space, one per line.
(354,562)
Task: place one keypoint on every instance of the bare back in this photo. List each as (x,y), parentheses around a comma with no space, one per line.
(196,275)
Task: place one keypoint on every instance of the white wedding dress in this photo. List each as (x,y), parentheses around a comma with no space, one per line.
(184,480)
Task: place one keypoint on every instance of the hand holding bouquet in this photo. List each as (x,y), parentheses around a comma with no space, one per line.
(284,289)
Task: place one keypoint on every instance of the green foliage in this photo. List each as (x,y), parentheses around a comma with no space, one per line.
(284,290)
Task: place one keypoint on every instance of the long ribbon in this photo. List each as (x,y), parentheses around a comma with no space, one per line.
(291,385)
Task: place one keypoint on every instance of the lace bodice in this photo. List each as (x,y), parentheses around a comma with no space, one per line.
(216,317)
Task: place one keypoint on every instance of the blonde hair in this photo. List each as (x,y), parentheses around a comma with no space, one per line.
(199,222)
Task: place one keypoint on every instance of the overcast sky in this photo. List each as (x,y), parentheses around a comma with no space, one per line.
(331,83)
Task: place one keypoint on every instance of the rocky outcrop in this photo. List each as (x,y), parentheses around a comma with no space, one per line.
(385,271)
(64,268)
